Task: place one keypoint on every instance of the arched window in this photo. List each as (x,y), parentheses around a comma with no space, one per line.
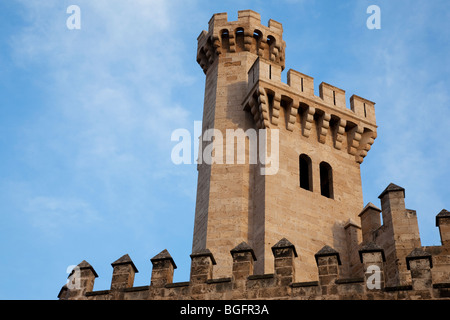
(239,39)
(225,37)
(326,180)
(271,41)
(257,35)
(305,172)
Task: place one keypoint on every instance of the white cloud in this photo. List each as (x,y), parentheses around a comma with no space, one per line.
(110,104)
(53,216)
(407,76)
(111,82)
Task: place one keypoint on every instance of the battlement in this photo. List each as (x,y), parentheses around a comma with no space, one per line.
(399,236)
(372,280)
(352,128)
(247,34)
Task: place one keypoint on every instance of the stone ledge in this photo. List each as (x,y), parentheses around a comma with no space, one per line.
(305,284)
(220,280)
(260,276)
(135,289)
(178,284)
(441,285)
(349,280)
(398,288)
(97,293)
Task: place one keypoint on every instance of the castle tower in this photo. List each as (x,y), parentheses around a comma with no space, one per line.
(314,195)
(284,228)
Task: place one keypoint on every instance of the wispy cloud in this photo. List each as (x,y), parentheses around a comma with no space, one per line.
(53,216)
(407,77)
(110,94)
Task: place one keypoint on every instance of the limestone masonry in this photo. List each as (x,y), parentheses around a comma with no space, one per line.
(304,232)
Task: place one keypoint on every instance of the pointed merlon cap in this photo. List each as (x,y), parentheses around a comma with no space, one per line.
(418,253)
(63,291)
(163,255)
(125,260)
(327,251)
(444,214)
(370,205)
(371,247)
(204,253)
(351,223)
(243,247)
(84,265)
(283,244)
(392,187)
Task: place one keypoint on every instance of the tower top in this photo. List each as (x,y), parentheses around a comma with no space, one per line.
(245,34)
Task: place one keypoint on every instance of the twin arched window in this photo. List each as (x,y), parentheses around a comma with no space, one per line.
(326,180)
(306,177)
(305,172)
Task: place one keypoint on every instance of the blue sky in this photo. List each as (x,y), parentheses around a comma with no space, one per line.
(86,118)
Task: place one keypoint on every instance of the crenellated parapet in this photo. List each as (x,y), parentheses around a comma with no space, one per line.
(349,128)
(244,35)
(243,284)
(395,229)
(426,268)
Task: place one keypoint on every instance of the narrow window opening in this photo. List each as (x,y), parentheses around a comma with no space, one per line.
(305,172)
(365,111)
(270,98)
(225,40)
(302,84)
(239,39)
(326,180)
(270,71)
(334,97)
(270,44)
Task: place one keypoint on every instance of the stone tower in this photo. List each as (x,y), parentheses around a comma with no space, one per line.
(315,196)
(292,232)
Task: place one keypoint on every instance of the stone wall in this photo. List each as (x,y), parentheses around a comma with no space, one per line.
(243,284)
